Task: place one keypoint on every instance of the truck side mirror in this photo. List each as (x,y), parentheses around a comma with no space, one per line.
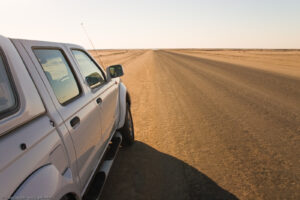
(114,71)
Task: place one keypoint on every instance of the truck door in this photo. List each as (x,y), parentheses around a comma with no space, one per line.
(72,101)
(104,94)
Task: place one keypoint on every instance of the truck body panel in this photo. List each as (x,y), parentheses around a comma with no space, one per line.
(50,148)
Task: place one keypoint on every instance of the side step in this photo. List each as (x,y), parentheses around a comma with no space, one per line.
(94,190)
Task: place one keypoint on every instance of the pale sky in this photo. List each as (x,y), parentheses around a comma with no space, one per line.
(115,24)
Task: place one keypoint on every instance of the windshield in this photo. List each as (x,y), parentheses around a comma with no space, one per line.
(7,99)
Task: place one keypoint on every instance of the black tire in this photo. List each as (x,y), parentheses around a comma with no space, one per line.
(127,130)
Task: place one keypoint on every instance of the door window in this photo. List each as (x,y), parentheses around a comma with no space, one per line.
(90,71)
(58,73)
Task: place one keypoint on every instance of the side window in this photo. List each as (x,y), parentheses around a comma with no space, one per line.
(7,98)
(88,69)
(58,73)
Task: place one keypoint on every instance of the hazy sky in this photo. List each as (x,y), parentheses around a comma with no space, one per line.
(156,23)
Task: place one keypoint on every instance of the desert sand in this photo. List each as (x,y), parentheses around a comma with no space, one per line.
(209,125)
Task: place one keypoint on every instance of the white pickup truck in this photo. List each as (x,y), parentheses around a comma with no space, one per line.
(62,121)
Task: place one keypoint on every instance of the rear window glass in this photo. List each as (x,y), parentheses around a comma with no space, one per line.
(58,73)
(7,97)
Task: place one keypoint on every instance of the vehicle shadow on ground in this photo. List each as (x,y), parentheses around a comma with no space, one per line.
(141,172)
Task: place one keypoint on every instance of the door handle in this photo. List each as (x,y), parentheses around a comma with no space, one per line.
(75,121)
(99,101)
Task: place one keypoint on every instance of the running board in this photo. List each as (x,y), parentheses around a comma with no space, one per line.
(94,190)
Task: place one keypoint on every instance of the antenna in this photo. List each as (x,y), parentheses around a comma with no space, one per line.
(87,35)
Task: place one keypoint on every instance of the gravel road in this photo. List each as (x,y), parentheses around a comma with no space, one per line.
(207,129)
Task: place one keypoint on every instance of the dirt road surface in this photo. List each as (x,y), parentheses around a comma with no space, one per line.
(209,125)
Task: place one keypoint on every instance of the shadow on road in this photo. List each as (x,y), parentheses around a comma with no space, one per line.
(141,172)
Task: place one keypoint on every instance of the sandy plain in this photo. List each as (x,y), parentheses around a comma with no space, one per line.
(222,124)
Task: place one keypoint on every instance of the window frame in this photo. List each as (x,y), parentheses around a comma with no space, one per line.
(97,65)
(13,109)
(79,86)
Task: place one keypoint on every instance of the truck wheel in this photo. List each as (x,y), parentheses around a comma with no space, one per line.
(127,130)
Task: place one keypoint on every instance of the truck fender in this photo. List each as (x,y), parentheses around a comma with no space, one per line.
(122,104)
(47,183)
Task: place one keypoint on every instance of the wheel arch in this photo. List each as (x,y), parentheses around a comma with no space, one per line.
(128,99)
(124,97)
(55,185)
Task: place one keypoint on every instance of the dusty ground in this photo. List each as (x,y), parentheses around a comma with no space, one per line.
(210,125)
